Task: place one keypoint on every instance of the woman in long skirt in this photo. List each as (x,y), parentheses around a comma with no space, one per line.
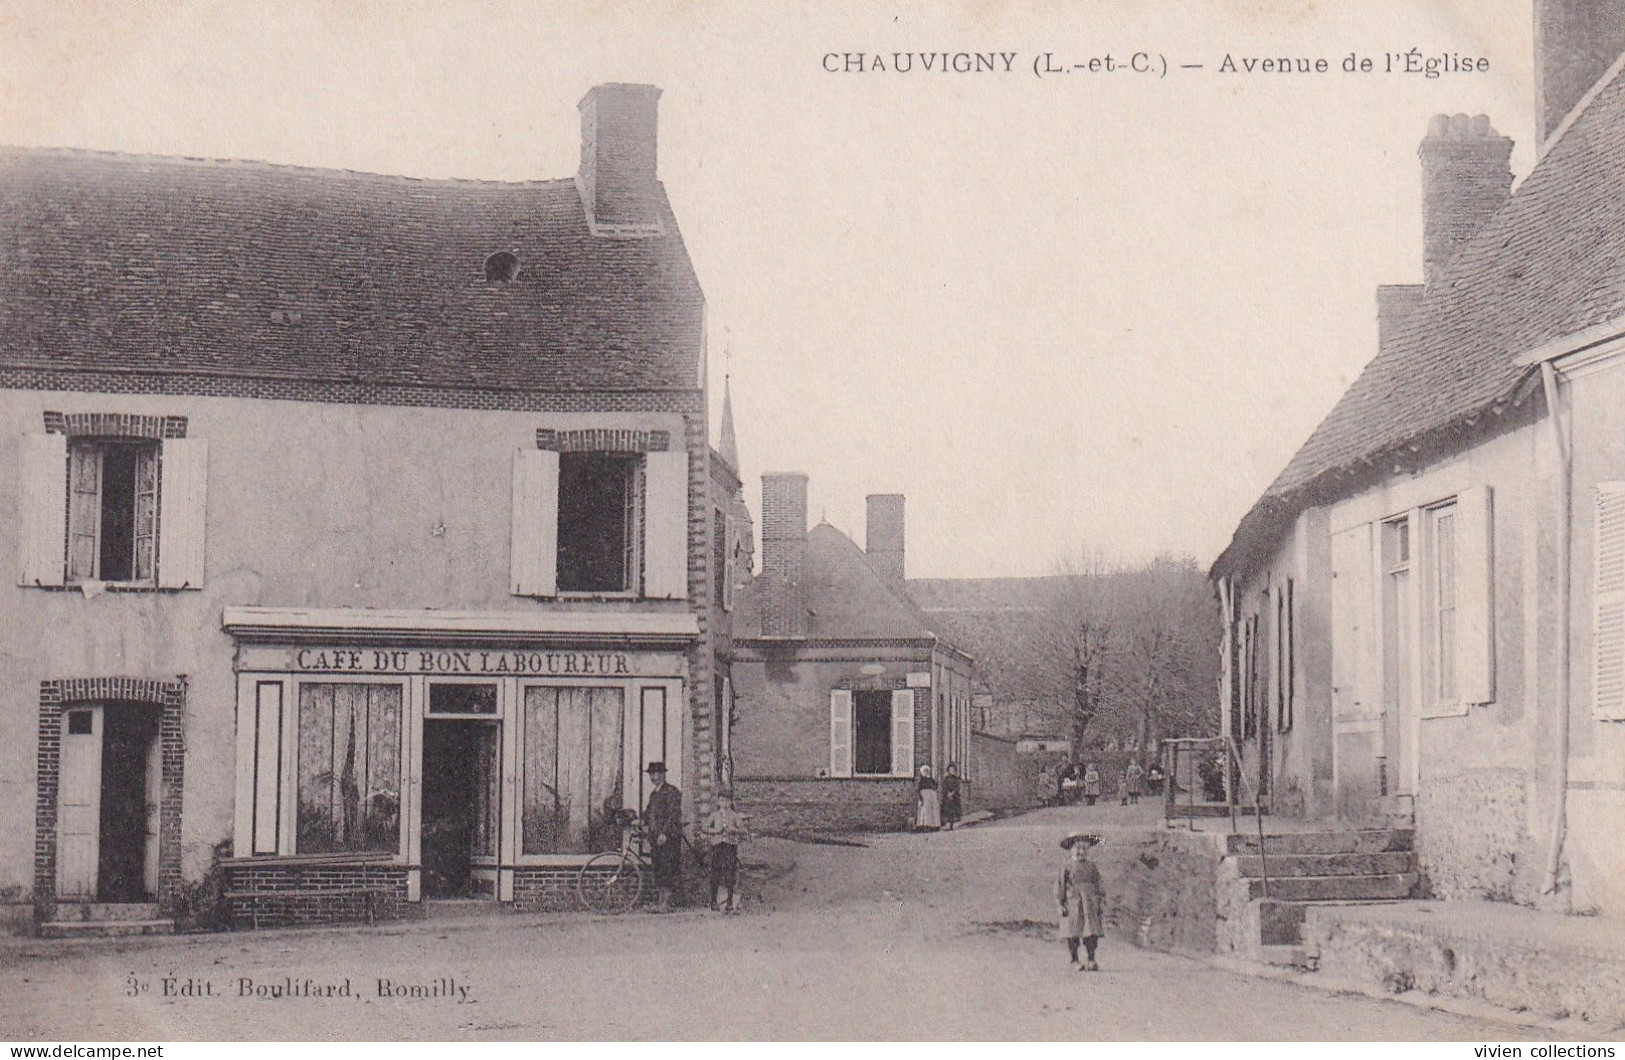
(927,808)
(1082,900)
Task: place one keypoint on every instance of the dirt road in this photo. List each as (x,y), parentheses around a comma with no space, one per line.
(931,936)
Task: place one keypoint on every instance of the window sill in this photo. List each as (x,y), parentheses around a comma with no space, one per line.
(91,586)
(1446,710)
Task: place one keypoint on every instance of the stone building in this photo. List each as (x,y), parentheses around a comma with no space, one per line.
(844,689)
(1422,614)
(362,526)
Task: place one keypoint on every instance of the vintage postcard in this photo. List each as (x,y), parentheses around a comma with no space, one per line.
(714,521)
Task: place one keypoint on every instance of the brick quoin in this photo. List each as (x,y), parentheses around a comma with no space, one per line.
(58,695)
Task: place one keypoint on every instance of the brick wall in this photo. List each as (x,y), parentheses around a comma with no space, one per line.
(303,893)
(786,806)
(784,555)
(54,697)
(553,888)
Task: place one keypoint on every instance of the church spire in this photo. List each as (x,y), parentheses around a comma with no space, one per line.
(728,446)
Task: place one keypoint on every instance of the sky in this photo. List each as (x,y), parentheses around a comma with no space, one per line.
(1061,312)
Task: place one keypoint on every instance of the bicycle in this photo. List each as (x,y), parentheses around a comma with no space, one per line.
(612,882)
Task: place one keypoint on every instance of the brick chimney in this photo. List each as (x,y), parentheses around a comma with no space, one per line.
(1576,41)
(784,554)
(1465,179)
(883,538)
(617,178)
(1395,304)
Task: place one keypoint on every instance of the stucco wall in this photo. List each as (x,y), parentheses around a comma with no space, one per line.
(309,505)
(1596,786)
(1482,790)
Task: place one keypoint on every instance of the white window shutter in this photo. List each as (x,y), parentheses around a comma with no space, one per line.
(902,732)
(182,512)
(42,546)
(1608,602)
(1351,617)
(534,559)
(665,526)
(840,733)
(1475,595)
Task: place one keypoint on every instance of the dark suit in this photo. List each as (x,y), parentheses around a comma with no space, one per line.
(664,819)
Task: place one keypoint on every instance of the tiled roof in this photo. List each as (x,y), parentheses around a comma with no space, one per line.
(137,263)
(846,598)
(1550,263)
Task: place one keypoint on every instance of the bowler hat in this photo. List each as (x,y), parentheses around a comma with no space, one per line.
(656,767)
(1088,839)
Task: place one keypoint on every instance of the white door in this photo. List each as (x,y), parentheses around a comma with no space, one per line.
(79,804)
(154,778)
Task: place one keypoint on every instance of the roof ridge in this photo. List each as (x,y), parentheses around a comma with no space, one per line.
(103,154)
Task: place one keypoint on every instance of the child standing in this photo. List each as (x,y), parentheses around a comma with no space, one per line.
(1082,900)
(725,829)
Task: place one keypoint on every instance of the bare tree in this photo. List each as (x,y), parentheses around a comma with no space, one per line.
(1128,652)
(1077,640)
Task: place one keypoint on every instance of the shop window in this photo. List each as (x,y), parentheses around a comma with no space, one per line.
(600,498)
(451,698)
(575,752)
(349,768)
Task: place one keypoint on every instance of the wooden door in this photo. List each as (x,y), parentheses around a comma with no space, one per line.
(79,804)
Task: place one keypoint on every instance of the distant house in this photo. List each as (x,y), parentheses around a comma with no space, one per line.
(844,688)
(1425,613)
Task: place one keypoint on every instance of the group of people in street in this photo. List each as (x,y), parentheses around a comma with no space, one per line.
(723,830)
(1058,787)
(934,808)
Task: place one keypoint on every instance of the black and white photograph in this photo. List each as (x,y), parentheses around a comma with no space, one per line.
(715,521)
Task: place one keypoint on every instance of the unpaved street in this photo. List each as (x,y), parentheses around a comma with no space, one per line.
(931,936)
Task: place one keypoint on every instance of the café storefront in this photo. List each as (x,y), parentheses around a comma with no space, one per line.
(433,755)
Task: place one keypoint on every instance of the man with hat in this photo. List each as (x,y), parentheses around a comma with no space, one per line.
(1082,900)
(664,820)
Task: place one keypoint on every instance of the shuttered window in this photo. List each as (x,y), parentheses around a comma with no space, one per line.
(113,510)
(1608,602)
(600,523)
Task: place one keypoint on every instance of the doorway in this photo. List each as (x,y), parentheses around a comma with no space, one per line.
(461,797)
(108,799)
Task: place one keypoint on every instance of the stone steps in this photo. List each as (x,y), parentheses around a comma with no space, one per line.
(106,911)
(1283,865)
(1361,888)
(1346,841)
(1288,956)
(104,929)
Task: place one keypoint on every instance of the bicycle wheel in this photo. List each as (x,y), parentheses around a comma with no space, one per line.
(610,883)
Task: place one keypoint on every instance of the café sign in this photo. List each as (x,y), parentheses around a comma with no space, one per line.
(470,662)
